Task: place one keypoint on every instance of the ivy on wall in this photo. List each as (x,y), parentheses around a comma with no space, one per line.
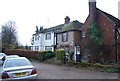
(94,34)
(95,42)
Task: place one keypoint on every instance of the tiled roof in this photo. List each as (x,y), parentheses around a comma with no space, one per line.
(52,28)
(75,25)
(114,19)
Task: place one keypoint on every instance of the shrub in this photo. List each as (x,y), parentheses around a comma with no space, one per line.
(98,67)
(49,55)
(60,54)
(71,55)
(41,56)
(44,55)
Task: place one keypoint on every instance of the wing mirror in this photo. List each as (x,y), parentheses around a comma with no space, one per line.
(3,59)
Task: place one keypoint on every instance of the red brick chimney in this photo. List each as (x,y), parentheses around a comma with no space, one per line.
(67,20)
(92,10)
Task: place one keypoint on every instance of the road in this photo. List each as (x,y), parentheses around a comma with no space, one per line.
(48,71)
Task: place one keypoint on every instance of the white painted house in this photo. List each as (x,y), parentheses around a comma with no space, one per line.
(45,39)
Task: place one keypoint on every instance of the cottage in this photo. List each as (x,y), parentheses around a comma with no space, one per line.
(69,38)
(110,29)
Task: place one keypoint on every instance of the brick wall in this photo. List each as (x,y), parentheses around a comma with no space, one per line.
(108,34)
(74,38)
(70,39)
(77,37)
(107,28)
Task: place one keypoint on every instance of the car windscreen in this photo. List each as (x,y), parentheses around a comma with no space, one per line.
(16,62)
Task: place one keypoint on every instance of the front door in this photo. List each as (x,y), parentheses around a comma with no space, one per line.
(77,53)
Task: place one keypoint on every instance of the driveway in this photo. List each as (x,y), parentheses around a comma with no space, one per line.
(48,71)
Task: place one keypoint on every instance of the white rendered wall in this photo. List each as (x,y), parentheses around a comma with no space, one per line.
(42,42)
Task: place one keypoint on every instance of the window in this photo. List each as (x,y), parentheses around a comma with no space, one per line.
(66,48)
(17,62)
(32,48)
(48,36)
(83,34)
(64,37)
(36,48)
(118,36)
(36,37)
(48,48)
(62,47)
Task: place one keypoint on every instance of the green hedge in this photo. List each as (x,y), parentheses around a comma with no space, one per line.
(44,55)
(60,54)
(98,67)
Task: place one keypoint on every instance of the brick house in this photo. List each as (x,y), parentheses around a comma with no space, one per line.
(110,28)
(69,38)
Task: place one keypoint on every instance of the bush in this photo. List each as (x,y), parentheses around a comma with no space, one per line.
(60,54)
(71,55)
(41,56)
(44,55)
(98,67)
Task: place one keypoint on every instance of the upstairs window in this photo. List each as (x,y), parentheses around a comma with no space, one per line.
(118,34)
(48,36)
(64,37)
(36,37)
(83,34)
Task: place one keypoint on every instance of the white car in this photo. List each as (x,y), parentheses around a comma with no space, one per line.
(2,55)
(17,68)
(9,56)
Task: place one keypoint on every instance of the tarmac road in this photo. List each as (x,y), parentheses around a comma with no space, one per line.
(48,71)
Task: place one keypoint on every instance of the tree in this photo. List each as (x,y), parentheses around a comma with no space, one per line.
(95,42)
(9,35)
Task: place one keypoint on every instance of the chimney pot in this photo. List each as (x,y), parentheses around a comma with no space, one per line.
(92,9)
(67,20)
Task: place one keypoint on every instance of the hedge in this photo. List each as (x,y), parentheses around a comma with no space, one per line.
(99,67)
(60,54)
(44,55)
(23,53)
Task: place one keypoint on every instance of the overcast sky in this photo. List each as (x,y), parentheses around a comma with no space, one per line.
(29,13)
